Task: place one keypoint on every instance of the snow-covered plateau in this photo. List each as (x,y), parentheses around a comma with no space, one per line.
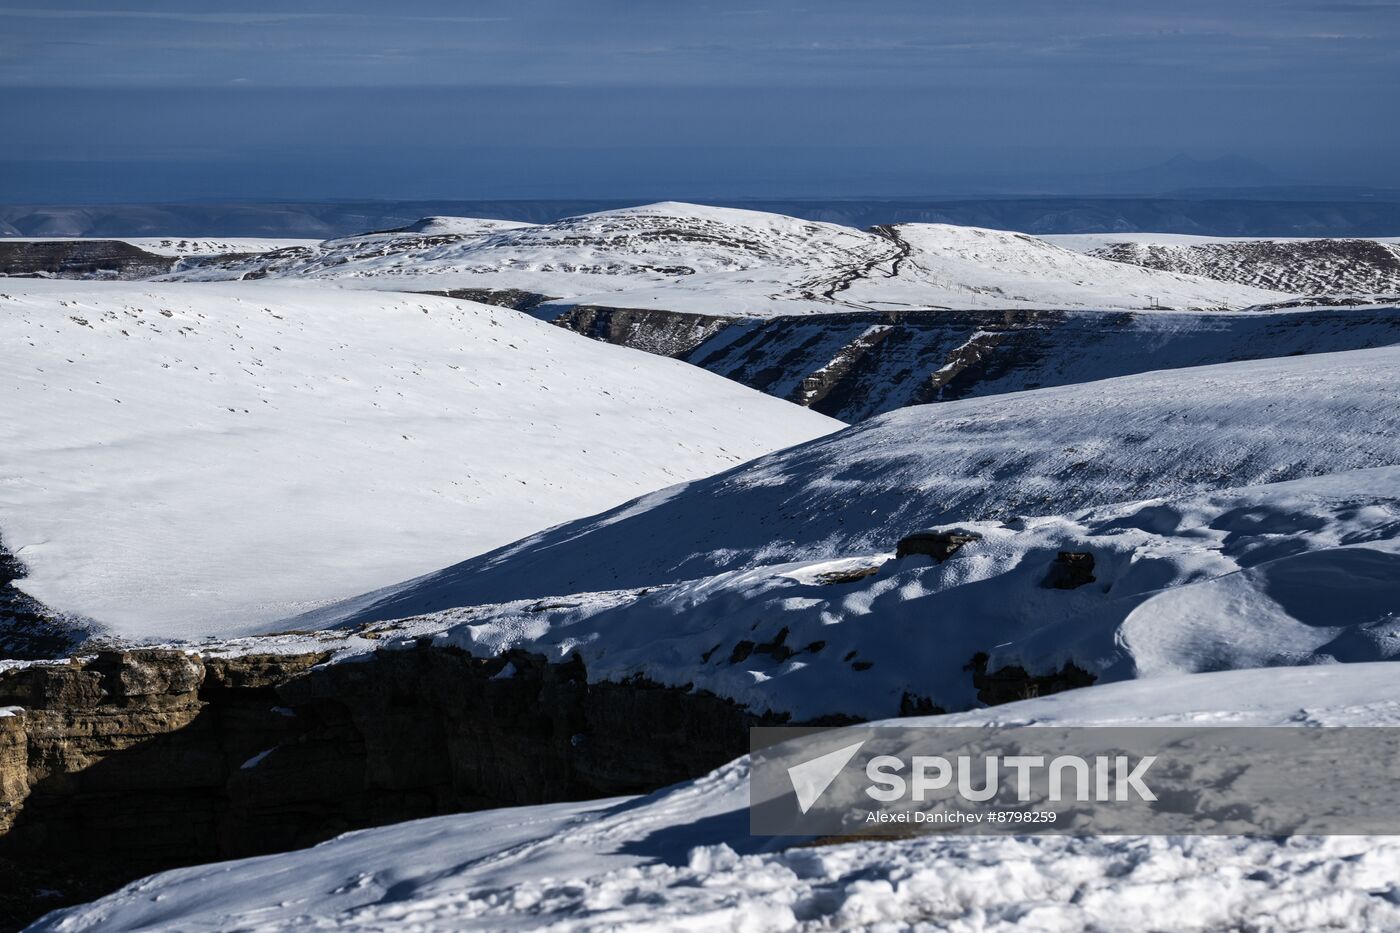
(737,263)
(849,322)
(348,552)
(682,858)
(182,460)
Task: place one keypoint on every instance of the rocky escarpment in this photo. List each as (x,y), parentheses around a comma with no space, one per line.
(97,259)
(132,761)
(127,762)
(666,333)
(855,365)
(81,259)
(513,298)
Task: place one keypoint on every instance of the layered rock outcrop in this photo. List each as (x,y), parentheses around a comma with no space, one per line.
(128,762)
(853,365)
(81,259)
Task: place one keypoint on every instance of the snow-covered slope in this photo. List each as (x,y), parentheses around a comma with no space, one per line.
(729,262)
(212,246)
(682,858)
(1295,573)
(178,460)
(448,226)
(1044,452)
(1304,266)
(969,267)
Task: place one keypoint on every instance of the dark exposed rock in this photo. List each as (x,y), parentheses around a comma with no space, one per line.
(29,630)
(1012,682)
(81,259)
(129,762)
(940,545)
(665,333)
(973,362)
(514,298)
(741,652)
(853,365)
(1071,569)
(776,647)
(817,388)
(911,704)
(846,576)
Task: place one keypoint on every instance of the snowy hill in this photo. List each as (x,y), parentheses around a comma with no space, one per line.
(683,858)
(967,267)
(1296,573)
(450,226)
(181,460)
(1045,452)
(1307,267)
(736,263)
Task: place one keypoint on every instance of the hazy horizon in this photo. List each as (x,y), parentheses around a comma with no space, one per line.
(166,101)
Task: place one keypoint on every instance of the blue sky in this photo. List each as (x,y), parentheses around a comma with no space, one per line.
(600,98)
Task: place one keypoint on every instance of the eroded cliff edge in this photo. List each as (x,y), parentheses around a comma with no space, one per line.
(126,762)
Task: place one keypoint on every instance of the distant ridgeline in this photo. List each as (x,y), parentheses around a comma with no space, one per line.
(1206,213)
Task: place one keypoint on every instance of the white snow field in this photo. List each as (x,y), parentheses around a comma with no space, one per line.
(185,460)
(1295,573)
(211,246)
(682,858)
(1038,453)
(739,263)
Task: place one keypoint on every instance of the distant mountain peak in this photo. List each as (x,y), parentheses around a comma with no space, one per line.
(1187,171)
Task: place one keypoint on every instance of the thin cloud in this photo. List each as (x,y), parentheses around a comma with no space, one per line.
(239,19)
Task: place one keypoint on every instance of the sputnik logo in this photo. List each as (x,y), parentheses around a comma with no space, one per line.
(811,778)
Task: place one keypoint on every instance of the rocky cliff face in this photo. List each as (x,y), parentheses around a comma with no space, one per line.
(514,298)
(128,762)
(666,333)
(855,365)
(81,259)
